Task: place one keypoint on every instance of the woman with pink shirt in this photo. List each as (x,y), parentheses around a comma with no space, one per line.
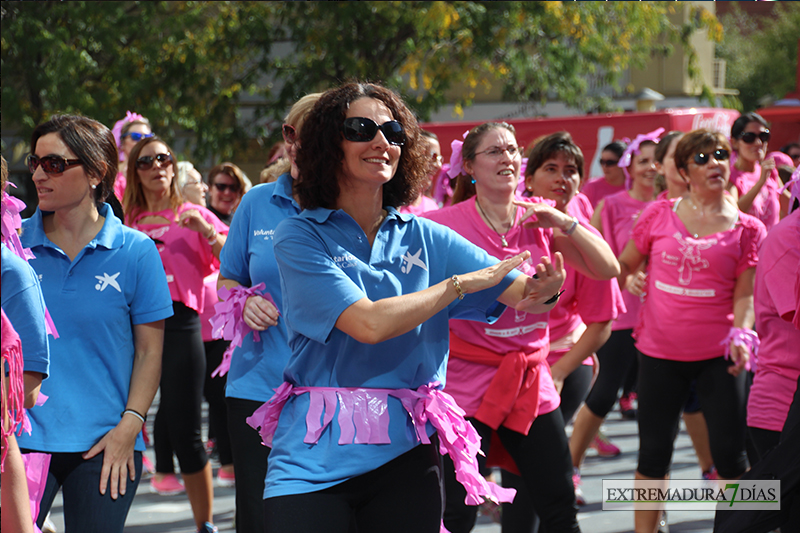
(696,320)
(755,178)
(423,202)
(127,132)
(613,179)
(189,238)
(614,218)
(498,374)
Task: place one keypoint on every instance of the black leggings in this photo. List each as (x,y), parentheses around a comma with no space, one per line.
(616,357)
(177,426)
(401,496)
(214,391)
(763,441)
(542,457)
(249,465)
(663,391)
(575,390)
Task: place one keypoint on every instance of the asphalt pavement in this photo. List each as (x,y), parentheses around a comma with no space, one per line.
(152,513)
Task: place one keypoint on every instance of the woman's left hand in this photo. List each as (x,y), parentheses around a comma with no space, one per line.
(117,448)
(191,219)
(543,216)
(739,356)
(548,281)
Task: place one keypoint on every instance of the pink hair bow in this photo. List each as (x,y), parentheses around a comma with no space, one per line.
(456,159)
(117,130)
(633,148)
(743,337)
(794,183)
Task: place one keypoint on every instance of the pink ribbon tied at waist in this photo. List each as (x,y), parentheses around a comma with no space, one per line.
(364,419)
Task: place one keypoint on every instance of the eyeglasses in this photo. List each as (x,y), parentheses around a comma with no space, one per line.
(750,137)
(289,134)
(51,164)
(363,130)
(609,162)
(222,187)
(146,162)
(436,158)
(496,151)
(135,136)
(720,155)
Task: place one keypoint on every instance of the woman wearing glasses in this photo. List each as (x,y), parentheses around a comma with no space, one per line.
(188,237)
(696,321)
(108,297)
(226,186)
(256,368)
(613,179)
(127,132)
(367,297)
(755,178)
(498,373)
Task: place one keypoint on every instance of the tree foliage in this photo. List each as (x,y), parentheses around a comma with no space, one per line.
(226,72)
(761,61)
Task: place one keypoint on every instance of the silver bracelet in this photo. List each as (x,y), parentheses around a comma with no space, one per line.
(572,227)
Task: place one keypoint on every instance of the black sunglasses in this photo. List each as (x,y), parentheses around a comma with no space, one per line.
(222,187)
(720,155)
(609,162)
(51,164)
(750,137)
(136,136)
(146,162)
(289,133)
(363,130)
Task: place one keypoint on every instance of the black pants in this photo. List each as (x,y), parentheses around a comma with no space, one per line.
(177,426)
(763,441)
(663,391)
(402,496)
(574,391)
(214,391)
(542,457)
(616,357)
(249,465)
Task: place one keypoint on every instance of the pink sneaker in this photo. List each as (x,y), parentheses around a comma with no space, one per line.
(626,407)
(225,479)
(576,481)
(603,446)
(168,486)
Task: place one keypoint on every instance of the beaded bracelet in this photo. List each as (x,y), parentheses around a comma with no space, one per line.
(457,285)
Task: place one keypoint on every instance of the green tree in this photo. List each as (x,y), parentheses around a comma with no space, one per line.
(761,61)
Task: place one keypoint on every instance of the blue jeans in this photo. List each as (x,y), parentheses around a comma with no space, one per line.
(85,509)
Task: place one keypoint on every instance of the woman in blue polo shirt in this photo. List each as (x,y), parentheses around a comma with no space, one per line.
(367,295)
(108,298)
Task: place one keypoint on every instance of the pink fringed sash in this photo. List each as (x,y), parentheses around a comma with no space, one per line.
(364,419)
(228,323)
(743,337)
(13,400)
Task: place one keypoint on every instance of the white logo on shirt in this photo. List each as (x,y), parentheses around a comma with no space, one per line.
(345,261)
(267,233)
(410,260)
(105,280)
(691,260)
(156,233)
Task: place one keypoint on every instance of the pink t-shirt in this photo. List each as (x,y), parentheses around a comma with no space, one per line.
(186,254)
(619,214)
(779,355)
(119,186)
(209,299)
(598,188)
(689,306)
(514,330)
(427,204)
(581,207)
(766,205)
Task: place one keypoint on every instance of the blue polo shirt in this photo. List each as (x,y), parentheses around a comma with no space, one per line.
(116,281)
(24,305)
(248,258)
(327,264)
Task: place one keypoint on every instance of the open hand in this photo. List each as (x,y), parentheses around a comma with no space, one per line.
(191,219)
(491,276)
(548,281)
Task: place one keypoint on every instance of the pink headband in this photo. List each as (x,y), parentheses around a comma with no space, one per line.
(117,130)
(11,222)
(794,183)
(633,148)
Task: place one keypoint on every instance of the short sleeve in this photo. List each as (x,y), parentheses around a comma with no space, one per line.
(315,290)
(151,301)
(753,234)
(234,257)
(598,301)
(643,229)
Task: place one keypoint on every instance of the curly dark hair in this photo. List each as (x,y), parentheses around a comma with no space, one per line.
(91,142)
(320,155)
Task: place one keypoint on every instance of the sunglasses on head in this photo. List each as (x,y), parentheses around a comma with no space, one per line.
(609,162)
(750,137)
(289,134)
(222,187)
(363,130)
(135,136)
(51,164)
(146,162)
(720,155)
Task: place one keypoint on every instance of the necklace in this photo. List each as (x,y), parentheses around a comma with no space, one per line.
(502,235)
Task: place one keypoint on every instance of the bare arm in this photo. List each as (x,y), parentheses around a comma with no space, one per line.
(597,220)
(630,261)
(746,200)
(592,339)
(743,316)
(117,444)
(33,384)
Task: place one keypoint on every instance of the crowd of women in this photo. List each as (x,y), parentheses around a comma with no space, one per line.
(347,330)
